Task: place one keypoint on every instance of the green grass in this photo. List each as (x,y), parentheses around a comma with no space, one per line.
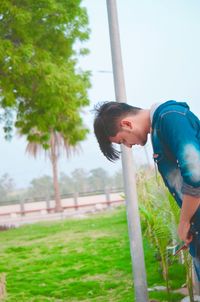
(77,260)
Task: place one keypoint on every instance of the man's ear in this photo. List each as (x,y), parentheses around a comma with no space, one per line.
(126,124)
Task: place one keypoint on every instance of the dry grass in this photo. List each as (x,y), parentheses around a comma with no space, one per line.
(2,287)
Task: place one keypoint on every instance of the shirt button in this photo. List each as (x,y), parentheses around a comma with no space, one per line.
(178,163)
(173,194)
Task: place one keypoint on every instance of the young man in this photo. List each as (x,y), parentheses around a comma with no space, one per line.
(175,134)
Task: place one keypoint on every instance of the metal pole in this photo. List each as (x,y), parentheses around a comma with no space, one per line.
(134,227)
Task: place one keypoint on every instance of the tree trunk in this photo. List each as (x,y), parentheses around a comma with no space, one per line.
(58,205)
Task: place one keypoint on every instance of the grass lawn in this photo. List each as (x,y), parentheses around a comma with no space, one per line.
(77,260)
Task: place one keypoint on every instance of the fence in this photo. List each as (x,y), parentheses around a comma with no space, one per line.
(70,204)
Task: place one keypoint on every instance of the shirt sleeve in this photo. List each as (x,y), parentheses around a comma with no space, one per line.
(181,136)
(189,190)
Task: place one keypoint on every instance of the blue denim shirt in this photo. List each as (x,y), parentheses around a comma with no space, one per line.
(176,145)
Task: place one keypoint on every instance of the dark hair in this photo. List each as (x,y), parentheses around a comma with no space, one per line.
(106,124)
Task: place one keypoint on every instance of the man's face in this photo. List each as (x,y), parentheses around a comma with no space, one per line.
(130,135)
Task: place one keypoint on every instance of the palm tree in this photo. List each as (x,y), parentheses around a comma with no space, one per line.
(56,143)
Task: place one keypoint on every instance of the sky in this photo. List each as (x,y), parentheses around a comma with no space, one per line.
(161,57)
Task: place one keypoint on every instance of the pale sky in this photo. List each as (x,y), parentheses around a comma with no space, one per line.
(161,55)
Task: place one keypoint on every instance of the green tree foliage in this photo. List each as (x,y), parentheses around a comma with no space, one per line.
(40,188)
(39,77)
(99,179)
(80,180)
(66,184)
(117,180)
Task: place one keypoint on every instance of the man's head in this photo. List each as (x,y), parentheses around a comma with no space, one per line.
(120,123)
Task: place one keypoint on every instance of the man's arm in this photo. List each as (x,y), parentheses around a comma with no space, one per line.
(189,206)
(180,133)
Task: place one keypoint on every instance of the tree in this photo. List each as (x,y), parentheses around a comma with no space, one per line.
(57,143)
(80,180)
(118,180)
(99,179)
(66,184)
(6,186)
(41,188)
(39,77)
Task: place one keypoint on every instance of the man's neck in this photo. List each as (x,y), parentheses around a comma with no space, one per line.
(146,119)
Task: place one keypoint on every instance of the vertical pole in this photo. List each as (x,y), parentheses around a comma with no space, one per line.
(48,204)
(134,227)
(22,207)
(76,200)
(107,193)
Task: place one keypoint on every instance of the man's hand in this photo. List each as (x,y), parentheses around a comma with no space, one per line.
(183,232)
